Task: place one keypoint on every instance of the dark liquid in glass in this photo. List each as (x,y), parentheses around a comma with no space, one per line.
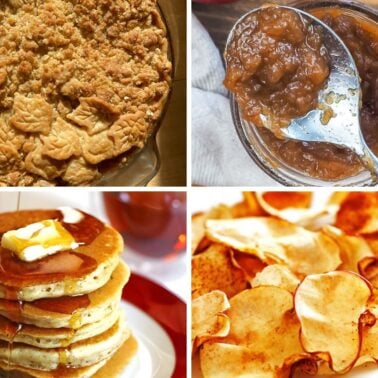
(153,224)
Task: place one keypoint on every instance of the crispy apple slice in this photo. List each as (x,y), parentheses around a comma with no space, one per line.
(369,349)
(198,224)
(295,207)
(217,212)
(278,241)
(198,230)
(358,214)
(284,200)
(368,267)
(337,198)
(208,318)
(330,308)
(216,269)
(276,275)
(353,249)
(263,340)
(253,205)
(249,263)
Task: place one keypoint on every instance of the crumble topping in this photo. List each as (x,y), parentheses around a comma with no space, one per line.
(81,82)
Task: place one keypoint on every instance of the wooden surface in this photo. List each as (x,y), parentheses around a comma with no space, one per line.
(172,134)
(218,19)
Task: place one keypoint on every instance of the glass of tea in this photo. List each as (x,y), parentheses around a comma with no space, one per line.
(151,223)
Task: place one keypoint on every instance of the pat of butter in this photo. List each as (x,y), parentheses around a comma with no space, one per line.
(38,240)
(71,215)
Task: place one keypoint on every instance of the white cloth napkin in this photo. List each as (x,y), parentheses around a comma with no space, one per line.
(218,156)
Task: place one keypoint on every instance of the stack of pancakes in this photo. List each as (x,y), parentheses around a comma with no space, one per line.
(60,316)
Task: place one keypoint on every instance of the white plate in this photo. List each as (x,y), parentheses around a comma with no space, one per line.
(156,354)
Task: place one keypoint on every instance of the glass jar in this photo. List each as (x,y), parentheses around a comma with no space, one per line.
(271,159)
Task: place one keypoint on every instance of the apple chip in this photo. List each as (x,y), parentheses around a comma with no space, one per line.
(353,249)
(329,307)
(198,223)
(262,342)
(253,205)
(276,275)
(372,240)
(369,349)
(294,207)
(242,209)
(208,318)
(358,214)
(337,198)
(216,269)
(368,267)
(249,263)
(198,229)
(284,200)
(277,241)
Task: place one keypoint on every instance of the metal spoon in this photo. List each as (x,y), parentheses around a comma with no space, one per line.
(343,87)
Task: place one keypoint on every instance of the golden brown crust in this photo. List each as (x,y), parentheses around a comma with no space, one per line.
(80,82)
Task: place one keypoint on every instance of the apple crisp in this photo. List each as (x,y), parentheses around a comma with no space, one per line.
(82,82)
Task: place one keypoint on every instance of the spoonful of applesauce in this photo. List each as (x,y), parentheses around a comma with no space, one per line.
(303,87)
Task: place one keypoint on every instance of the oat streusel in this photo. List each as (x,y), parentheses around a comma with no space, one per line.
(81,82)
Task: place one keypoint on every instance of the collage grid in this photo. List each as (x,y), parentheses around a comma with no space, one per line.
(188,188)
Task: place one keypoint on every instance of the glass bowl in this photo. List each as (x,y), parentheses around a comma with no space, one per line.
(263,155)
(142,165)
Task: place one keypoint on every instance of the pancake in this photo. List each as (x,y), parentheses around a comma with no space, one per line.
(101,303)
(60,315)
(83,353)
(67,273)
(109,368)
(54,337)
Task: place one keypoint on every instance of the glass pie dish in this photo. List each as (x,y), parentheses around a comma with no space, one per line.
(288,164)
(141,166)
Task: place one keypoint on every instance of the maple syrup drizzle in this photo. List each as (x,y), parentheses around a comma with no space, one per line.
(63,305)
(12,332)
(86,230)
(64,265)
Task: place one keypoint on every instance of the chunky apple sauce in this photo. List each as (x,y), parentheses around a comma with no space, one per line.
(276,65)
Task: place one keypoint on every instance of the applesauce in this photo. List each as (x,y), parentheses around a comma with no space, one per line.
(322,162)
(276,65)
